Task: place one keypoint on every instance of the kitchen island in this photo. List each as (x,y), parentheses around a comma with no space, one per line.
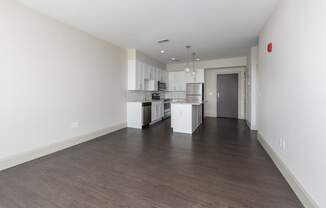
(186,117)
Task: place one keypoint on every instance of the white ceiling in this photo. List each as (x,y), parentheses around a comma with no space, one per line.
(214,28)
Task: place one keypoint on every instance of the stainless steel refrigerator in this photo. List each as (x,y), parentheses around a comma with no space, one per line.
(195,93)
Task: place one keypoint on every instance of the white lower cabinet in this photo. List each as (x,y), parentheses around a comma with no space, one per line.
(134,115)
(157,110)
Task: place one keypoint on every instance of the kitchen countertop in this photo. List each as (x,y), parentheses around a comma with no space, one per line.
(186,102)
(144,101)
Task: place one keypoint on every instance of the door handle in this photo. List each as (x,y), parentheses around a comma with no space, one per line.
(218,95)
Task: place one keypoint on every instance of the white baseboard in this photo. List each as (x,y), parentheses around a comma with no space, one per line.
(210,115)
(298,189)
(248,124)
(254,127)
(40,152)
(251,126)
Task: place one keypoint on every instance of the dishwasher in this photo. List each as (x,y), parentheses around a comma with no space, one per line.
(147,113)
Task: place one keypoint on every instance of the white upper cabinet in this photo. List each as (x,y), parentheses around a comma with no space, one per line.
(197,78)
(147,72)
(156,74)
(200,76)
(159,74)
(135,75)
(171,81)
(142,76)
(180,81)
(166,77)
(189,78)
(177,80)
(144,72)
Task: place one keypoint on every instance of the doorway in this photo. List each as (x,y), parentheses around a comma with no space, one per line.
(227,95)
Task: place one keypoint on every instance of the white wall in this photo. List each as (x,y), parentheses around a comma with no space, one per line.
(251,86)
(211,64)
(292,89)
(52,75)
(211,90)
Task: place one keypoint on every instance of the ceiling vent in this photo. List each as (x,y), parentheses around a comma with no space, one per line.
(163,41)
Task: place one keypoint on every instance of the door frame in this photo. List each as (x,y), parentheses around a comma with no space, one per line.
(239,93)
(241,96)
(241,100)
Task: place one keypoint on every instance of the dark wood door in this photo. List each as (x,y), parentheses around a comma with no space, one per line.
(227,95)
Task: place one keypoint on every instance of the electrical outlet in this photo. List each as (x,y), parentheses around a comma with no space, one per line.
(282,144)
(74,125)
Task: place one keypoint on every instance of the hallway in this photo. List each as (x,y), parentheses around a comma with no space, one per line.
(221,165)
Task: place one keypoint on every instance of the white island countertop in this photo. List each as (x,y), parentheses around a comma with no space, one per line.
(185,101)
(144,101)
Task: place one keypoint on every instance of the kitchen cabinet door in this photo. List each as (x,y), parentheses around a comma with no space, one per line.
(151,72)
(146,69)
(179,81)
(162,109)
(165,77)
(160,75)
(189,77)
(154,74)
(197,78)
(154,112)
(159,109)
(139,76)
(157,74)
(200,76)
(132,75)
(171,81)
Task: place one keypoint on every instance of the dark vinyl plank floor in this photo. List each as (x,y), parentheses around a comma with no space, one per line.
(220,166)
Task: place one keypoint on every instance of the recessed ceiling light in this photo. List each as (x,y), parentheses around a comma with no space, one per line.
(162,51)
(172,60)
(197,59)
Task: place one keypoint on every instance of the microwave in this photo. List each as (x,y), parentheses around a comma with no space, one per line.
(161,86)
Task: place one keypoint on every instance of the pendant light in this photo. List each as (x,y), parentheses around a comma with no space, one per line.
(193,64)
(187,69)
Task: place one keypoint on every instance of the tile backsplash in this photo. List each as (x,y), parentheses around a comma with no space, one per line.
(145,95)
(175,95)
(139,95)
